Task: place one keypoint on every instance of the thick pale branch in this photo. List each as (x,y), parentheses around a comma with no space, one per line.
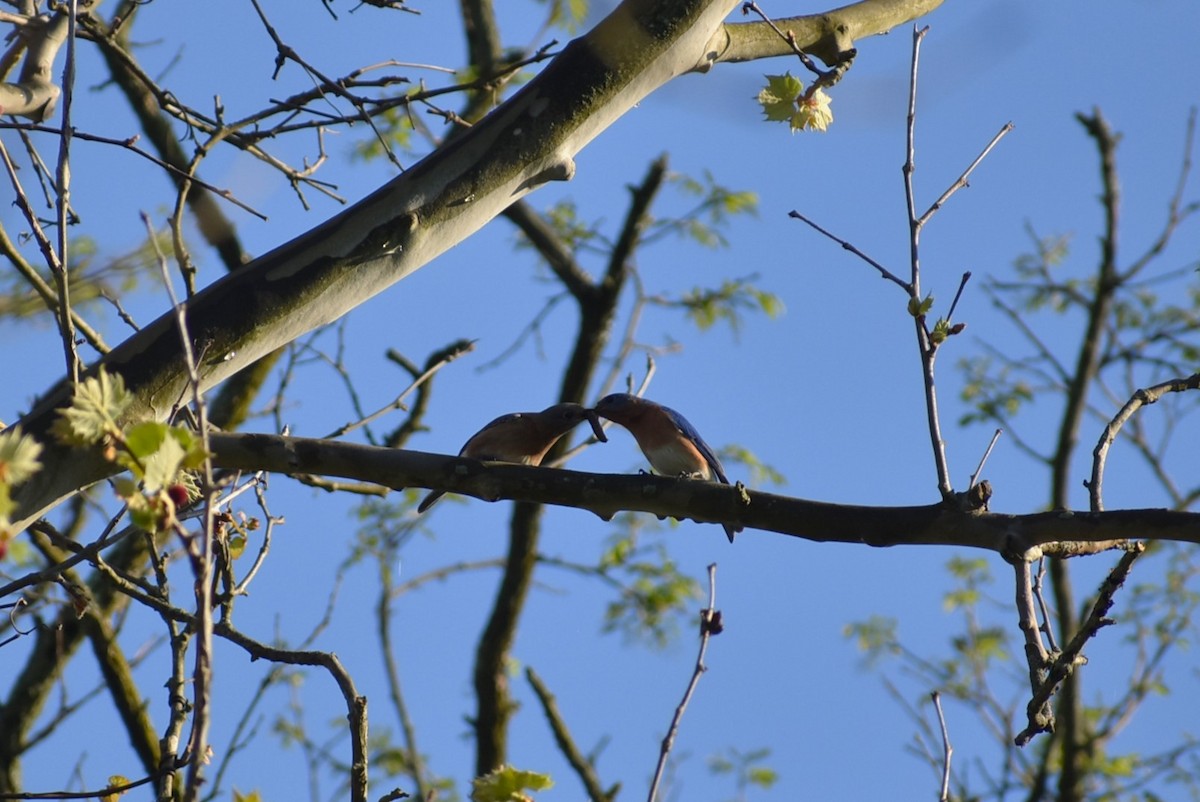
(35,94)
(607,494)
(827,36)
(316,278)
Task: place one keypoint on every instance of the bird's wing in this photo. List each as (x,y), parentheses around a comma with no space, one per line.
(689,431)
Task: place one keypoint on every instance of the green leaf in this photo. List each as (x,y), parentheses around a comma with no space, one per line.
(973,569)
(143,439)
(156,453)
(162,467)
(654,596)
(97,403)
(507,784)
(18,456)
(125,487)
(784,100)
(876,636)
(941,330)
(143,514)
(956,599)
(6,507)
(567,14)
(762,776)
(707,307)
(778,97)
(760,472)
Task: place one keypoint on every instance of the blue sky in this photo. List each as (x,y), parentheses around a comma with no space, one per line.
(829,393)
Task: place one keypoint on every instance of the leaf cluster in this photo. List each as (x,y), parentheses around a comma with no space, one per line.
(784,100)
(157,455)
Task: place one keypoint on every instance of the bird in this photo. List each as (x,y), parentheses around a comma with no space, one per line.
(668,440)
(522,437)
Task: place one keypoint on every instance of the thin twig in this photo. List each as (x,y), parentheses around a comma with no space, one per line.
(947,749)
(823,77)
(416,763)
(883,271)
(927,348)
(962,285)
(63,201)
(710,624)
(962,179)
(128,144)
(566,744)
(1035,650)
(987,452)
(461,347)
(1046,627)
(1141,398)
(201,553)
(47,293)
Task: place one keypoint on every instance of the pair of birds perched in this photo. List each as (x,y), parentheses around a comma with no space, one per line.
(672,445)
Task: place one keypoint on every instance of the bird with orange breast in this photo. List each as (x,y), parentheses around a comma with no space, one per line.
(668,440)
(522,437)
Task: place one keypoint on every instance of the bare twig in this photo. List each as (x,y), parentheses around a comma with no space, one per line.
(883,271)
(1035,650)
(1176,210)
(1039,596)
(962,285)
(823,77)
(925,344)
(458,349)
(201,553)
(129,144)
(62,193)
(710,624)
(982,460)
(566,744)
(416,763)
(947,749)
(961,181)
(1140,399)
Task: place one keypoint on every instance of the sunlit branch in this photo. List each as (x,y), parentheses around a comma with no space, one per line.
(947,749)
(1139,399)
(1064,664)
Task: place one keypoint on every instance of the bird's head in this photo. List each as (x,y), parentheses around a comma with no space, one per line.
(620,407)
(564,417)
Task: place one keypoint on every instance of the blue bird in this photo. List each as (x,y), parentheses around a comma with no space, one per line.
(522,437)
(672,445)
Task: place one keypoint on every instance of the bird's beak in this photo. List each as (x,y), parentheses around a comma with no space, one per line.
(597,429)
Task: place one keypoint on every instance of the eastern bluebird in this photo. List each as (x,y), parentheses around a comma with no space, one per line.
(522,437)
(672,445)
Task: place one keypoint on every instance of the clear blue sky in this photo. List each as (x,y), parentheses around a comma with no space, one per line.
(828,393)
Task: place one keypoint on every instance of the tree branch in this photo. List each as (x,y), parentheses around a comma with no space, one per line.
(607,494)
(828,36)
(1142,398)
(527,142)
(566,744)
